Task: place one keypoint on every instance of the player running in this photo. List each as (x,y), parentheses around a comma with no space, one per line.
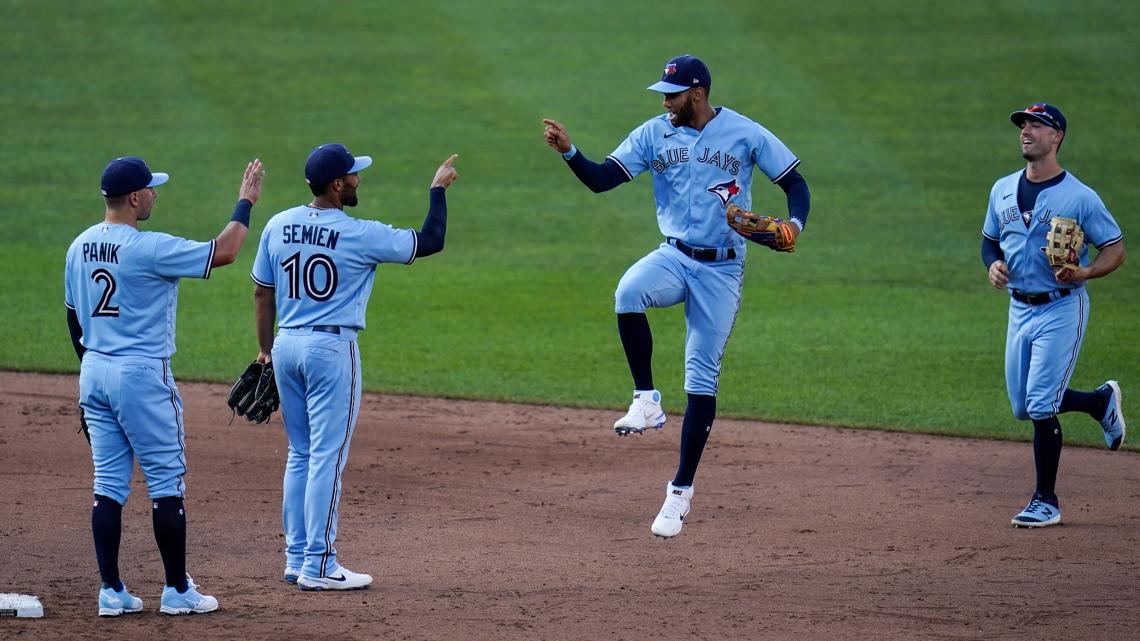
(701,159)
(121,292)
(314,272)
(1048,313)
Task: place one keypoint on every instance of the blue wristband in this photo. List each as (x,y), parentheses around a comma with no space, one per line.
(570,154)
(241,212)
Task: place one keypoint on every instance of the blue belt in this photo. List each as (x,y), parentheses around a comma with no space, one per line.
(1039,299)
(327,329)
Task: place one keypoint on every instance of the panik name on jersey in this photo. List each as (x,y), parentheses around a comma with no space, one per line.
(101,253)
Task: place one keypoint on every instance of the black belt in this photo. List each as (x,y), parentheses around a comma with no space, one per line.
(1039,299)
(703,254)
(327,329)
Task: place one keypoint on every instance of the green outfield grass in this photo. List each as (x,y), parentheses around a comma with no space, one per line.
(898,110)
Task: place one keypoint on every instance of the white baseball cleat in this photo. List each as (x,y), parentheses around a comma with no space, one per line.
(644,413)
(672,515)
(341,579)
(290,575)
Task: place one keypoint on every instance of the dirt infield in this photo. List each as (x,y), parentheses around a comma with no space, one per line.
(492,521)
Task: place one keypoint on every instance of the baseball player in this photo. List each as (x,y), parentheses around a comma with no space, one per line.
(313,275)
(701,158)
(121,292)
(1048,312)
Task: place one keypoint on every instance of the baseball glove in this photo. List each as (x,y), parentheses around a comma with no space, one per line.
(774,233)
(254,395)
(1063,244)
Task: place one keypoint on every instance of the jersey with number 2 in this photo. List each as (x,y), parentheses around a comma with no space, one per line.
(322,264)
(123,285)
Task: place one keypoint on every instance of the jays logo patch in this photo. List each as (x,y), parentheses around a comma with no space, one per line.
(670,69)
(725,191)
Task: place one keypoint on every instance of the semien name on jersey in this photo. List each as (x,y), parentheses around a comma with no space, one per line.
(310,235)
(101,252)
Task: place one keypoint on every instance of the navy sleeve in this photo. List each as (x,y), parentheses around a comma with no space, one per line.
(76,330)
(598,177)
(799,198)
(431,235)
(991,251)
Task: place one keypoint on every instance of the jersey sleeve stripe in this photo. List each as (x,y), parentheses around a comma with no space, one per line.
(985,235)
(210,259)
(786,171)
(254,279)
(1111,242)
(71,307)
(415,247)
(628,175)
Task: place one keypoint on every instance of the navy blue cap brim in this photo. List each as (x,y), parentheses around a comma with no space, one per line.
(1018,117)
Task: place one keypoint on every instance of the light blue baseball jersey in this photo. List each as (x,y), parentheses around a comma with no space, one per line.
(322,262)
(697,173)
(123,285)
(1022,236)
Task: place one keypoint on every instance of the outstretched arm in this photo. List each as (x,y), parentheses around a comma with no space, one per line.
(431,236)
(799,199)
(598,177)
(231,239)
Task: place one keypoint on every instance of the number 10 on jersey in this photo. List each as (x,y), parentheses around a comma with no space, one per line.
(317,276)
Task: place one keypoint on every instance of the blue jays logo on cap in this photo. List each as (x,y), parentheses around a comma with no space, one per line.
(127,175)
(683,73)
(329,162)
(1042,112)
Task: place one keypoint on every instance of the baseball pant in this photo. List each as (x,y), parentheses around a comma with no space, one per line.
(711,292)
(1041,347)
(318,377)
(133,410)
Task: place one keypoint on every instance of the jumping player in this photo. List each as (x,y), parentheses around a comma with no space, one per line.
(313,275)
(121,292)
(701,158)
(1048,314)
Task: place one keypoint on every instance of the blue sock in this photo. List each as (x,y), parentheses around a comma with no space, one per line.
(106,527)
(637,340)
(699,415)
(1047,455)
(1095,404)
(168,517)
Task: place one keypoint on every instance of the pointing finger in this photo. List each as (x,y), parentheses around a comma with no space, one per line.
(451,160)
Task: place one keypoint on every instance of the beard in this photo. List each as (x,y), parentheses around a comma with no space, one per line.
(685,115)
(349,201)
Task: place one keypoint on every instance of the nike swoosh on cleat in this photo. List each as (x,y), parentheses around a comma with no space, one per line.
(333,578)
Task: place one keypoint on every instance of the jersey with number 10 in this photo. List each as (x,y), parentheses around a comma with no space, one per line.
(322,264)
(123,285)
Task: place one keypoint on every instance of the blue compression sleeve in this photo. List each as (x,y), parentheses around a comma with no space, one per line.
(799,198)
(430,240)
(76,330)
(991,251)
(598,177)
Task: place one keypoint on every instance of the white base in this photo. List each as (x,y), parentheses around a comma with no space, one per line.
(20,605)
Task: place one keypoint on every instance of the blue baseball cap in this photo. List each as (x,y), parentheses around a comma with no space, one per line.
(329,162)
(127,175)
(1042,112)
(683,73)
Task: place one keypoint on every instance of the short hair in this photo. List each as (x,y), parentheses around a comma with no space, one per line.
(320,190)
(115,202)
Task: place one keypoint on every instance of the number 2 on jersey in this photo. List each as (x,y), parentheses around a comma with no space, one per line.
(104,306)
(306,276)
